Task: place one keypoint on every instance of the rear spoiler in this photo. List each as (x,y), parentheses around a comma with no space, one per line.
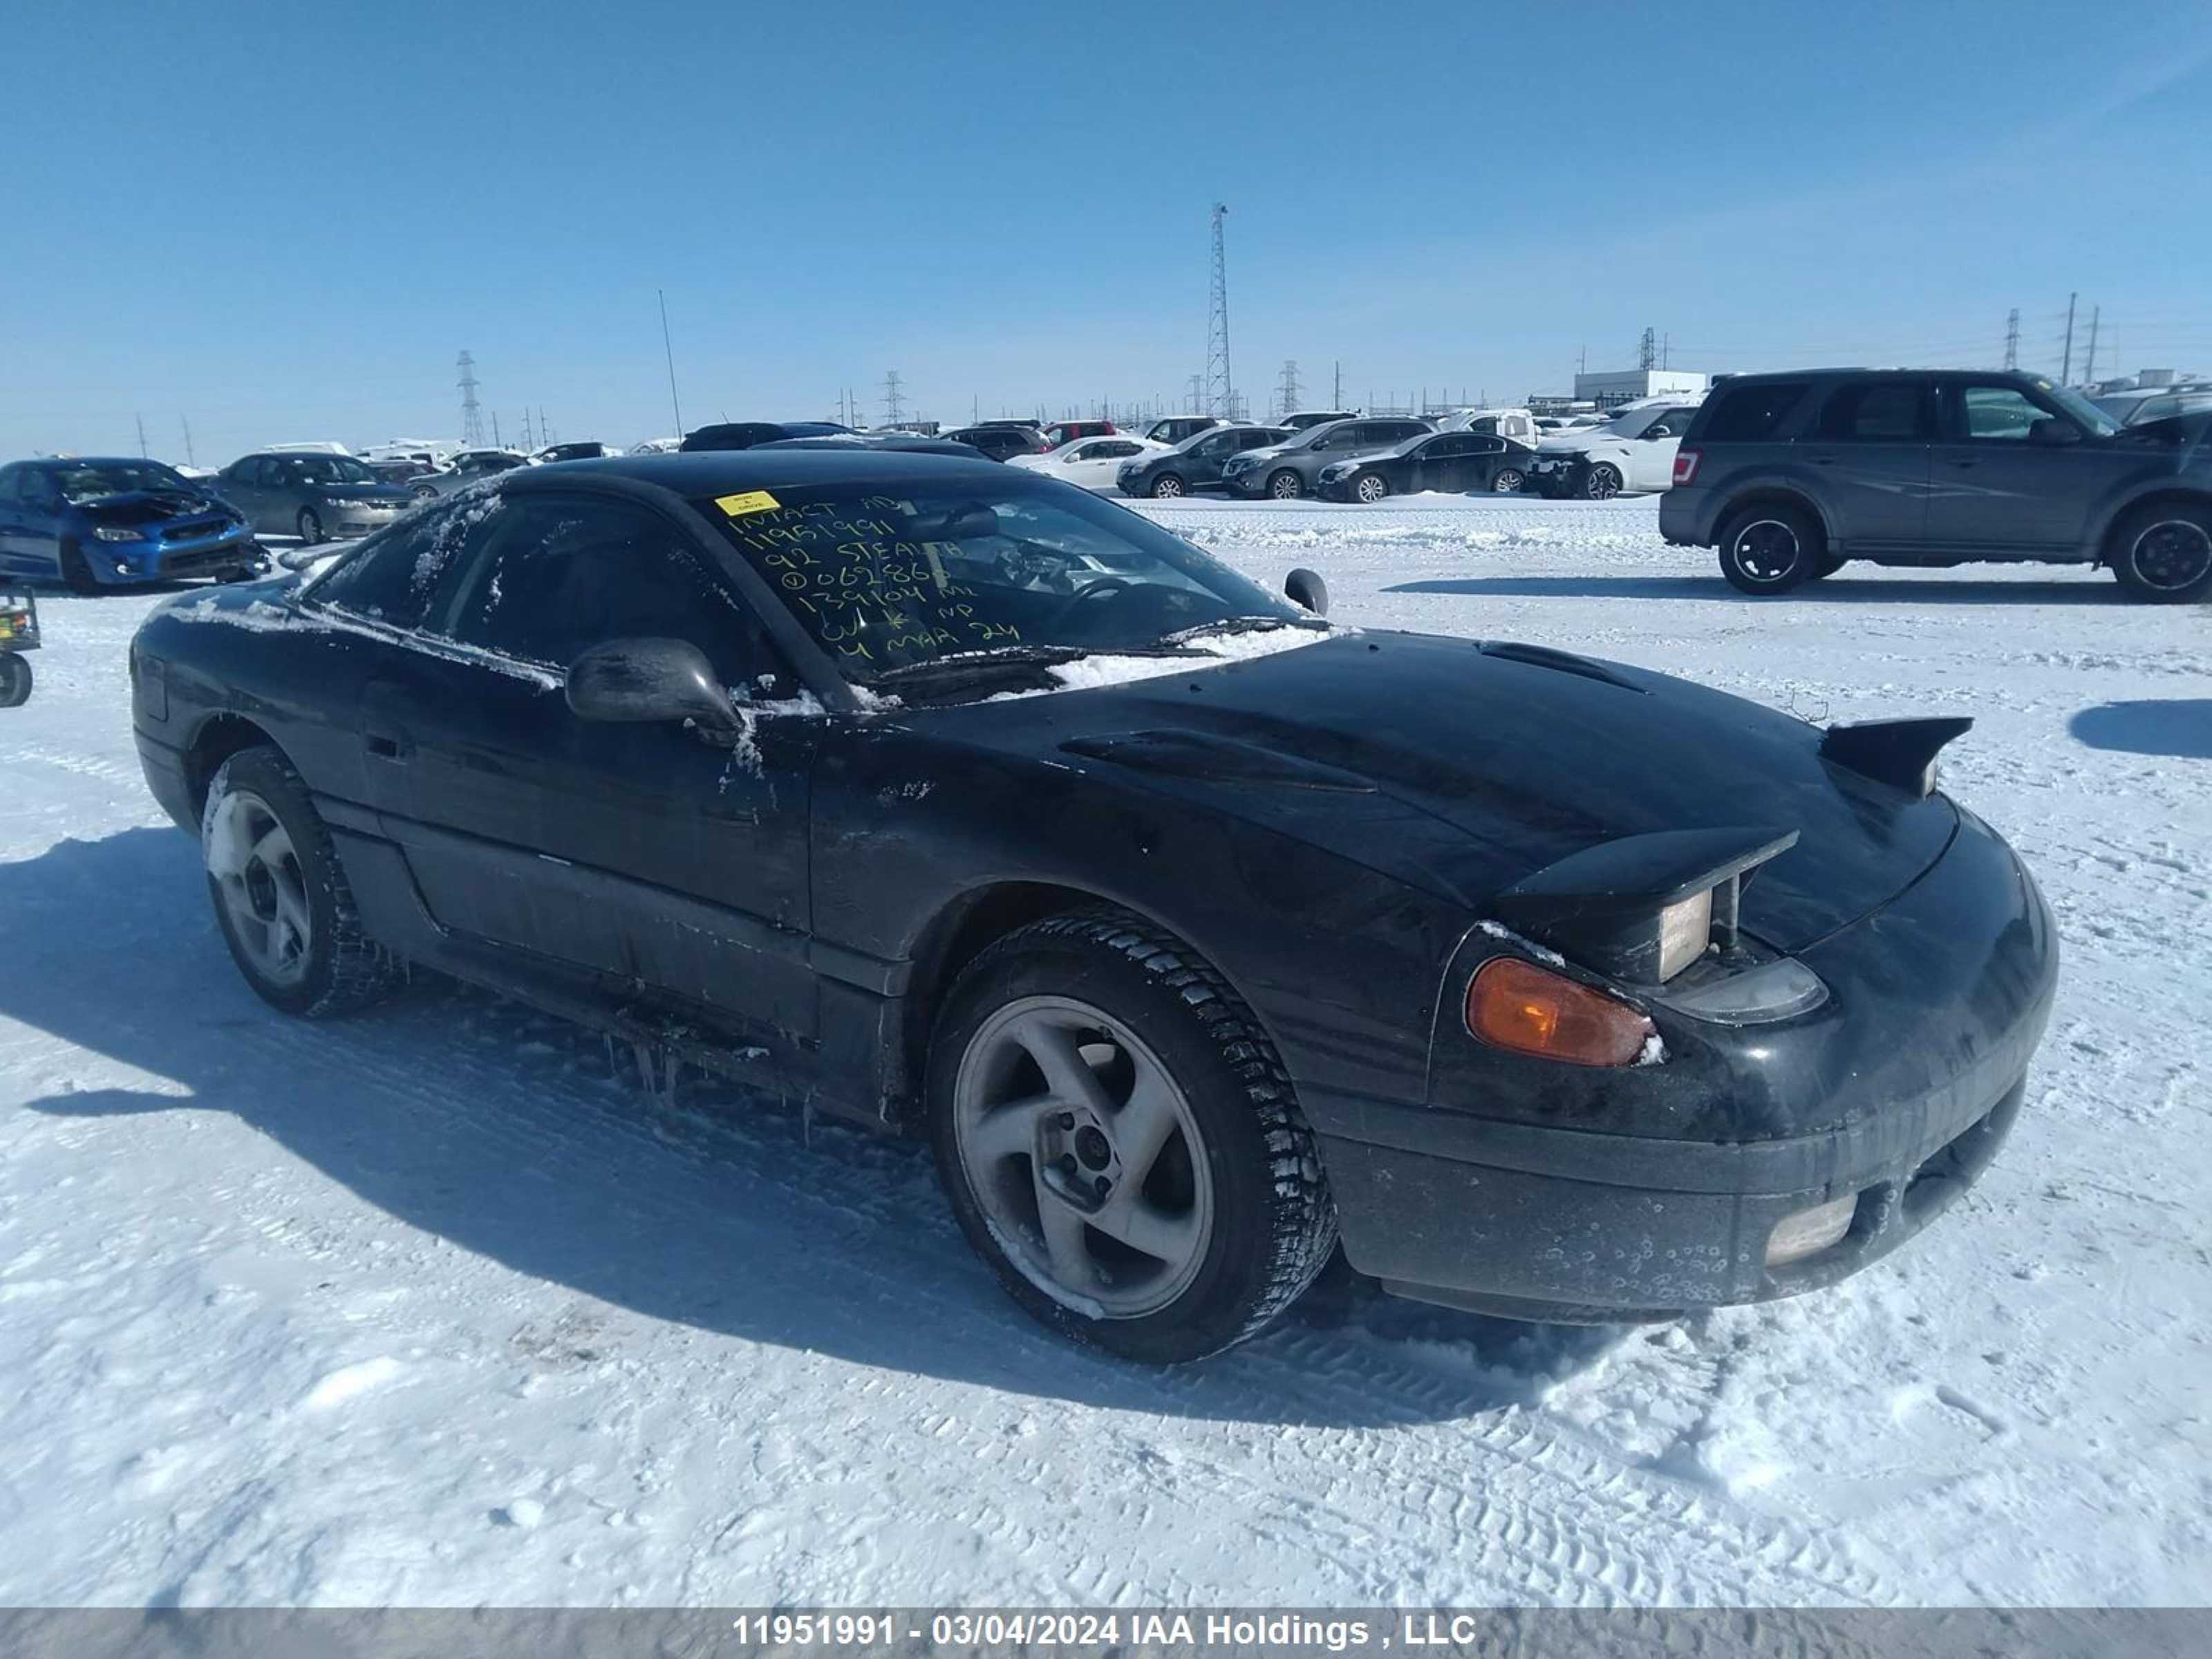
(1900,753)
(1601,907)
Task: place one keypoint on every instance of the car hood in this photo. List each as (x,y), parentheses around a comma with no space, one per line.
(1461,767)
(1576,443)
(144,507)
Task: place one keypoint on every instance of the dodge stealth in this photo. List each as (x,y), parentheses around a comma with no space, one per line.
(1195,933)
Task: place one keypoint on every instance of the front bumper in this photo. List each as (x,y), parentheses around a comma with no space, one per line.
(1250,485)
(1557,476)
(1899,1091)
(167,558)
(345,521)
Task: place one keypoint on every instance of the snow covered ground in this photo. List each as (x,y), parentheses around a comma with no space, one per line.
(426,1307)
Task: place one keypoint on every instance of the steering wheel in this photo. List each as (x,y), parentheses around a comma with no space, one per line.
(1089,590)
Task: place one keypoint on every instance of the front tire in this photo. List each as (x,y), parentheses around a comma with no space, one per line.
(1120,1141)
(1766,551)
(310,527)
(1602,483)
(1168,487)
(280,893)
(1370,486)
(1287,486)
(2163,555)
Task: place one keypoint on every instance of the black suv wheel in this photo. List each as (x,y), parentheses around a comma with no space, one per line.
(1772,548)
(2164,553)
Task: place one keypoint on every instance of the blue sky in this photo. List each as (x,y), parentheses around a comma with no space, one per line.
(284,222)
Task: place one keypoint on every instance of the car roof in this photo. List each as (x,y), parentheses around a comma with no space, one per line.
(724,471)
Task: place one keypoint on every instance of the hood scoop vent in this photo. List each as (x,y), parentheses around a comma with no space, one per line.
(1542,656)
(1187,754)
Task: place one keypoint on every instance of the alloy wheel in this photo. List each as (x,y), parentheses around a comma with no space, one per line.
(1371,488)
(1286,487)
(2171,554)
(1508,483)
(265,893)
(1603,484)
(1084,1157)
(1767,550)
(1167,486)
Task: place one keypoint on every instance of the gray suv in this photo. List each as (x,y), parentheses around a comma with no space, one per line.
(1789,476)
(1291,469)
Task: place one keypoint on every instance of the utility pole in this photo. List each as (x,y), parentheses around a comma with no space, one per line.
(669,352)
(894,410)
(2089,363)
(190,459)
(1336,400)
(1666,350)
(495,442)
(1220,393)
(2066,371)
(141,419)
(544,431)
(2012,338)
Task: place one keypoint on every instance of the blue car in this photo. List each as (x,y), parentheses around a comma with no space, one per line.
(97,523)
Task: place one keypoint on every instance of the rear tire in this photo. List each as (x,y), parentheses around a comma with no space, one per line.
(1226,1192)
(2163,555)
(1765,550)
(16,680)
(1508,481)
(1286,486)
(280,893)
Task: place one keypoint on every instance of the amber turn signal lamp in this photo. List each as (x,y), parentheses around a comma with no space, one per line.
(1532,1011)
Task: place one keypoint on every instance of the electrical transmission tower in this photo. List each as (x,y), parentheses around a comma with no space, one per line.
(1220,397)
(1290,386)
(2012,339)
(1647,350)
(472,411)
(893,407)
(1197,394)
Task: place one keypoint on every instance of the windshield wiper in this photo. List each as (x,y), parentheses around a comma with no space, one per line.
(1006,662)
(1244,625)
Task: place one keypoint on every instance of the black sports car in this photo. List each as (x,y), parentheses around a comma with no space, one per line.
(1455,463)
(1192,930)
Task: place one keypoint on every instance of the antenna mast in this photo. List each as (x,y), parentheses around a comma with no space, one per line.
(1220,393)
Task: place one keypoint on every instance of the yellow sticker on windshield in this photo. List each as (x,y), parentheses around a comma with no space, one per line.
(753,500)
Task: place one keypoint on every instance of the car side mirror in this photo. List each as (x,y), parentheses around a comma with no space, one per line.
(2052,430)
(641,681)
(1305,588)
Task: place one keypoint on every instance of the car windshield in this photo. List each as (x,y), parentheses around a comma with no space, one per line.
(90,481)
(332,469)
(2080,407)
(889,578)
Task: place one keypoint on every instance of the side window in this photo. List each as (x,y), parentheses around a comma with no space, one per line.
(558,577)
(392,576)
(2001,412)
(1749,414)
(1878,412)
(1117,447)
(1444,449)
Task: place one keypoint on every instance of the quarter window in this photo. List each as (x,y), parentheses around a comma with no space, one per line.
(1748,414)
